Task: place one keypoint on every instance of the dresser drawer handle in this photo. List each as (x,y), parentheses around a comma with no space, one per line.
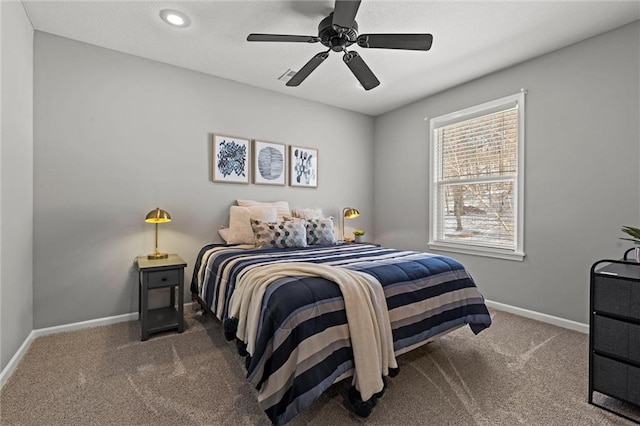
(164,279)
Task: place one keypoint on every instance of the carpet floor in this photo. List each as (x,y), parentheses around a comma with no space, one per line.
(518,371)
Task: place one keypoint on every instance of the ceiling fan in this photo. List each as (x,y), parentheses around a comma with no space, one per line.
(338,31)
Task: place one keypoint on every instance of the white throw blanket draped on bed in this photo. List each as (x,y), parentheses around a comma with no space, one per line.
(365,306)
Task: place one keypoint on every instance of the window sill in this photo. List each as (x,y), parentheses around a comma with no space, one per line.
(478,251)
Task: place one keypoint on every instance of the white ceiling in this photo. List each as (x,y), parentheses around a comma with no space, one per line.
(471,39)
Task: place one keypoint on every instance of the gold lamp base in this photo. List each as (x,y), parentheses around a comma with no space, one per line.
(158,256)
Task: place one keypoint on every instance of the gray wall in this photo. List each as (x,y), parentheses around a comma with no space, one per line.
(582,174)
(16,180)
(117,135)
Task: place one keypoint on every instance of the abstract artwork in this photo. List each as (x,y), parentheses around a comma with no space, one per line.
(303,167)
(230,162)
(269,163)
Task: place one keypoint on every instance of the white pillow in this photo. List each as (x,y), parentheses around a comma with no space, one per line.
(240,231)
(224,233)
(282,207)
(307,213)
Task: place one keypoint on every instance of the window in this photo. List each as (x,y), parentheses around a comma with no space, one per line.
(476,181)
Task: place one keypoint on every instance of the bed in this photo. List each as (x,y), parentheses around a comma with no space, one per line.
(302,345)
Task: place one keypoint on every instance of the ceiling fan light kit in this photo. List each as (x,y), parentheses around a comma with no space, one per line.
(337,32)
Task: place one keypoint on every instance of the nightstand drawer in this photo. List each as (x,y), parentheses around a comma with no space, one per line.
(616,379)
(164,278)
(617,338)
(616,296)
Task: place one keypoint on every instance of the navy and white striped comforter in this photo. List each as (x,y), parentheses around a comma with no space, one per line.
(303,344)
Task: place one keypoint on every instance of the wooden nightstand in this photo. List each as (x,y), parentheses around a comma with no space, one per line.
(160,273)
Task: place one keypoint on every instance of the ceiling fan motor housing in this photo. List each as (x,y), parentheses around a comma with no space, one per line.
(334,39)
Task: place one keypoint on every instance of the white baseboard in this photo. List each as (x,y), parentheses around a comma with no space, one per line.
(85,324)
(550,319)
(13,362)
(133,316)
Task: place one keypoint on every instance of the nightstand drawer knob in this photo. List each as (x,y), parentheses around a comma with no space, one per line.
(164,278)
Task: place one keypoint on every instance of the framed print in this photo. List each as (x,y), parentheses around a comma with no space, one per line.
(303,167)
(230,162)
(269,163)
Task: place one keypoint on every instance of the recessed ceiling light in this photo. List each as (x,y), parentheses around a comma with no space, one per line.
(175,18)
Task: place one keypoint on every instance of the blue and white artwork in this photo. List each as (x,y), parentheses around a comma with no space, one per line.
(304,167)
(230,159)
(269,164)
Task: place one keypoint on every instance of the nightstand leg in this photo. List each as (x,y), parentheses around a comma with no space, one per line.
(144,307)
(139,296)
(181,306)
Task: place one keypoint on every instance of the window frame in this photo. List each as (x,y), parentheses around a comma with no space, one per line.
(483,109)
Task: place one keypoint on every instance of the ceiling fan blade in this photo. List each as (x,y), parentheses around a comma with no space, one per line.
(307,69)
(396,41)
(345,13)
(359,68)
(283,37)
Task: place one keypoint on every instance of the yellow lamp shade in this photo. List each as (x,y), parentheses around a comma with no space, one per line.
(350,212)
(157,216)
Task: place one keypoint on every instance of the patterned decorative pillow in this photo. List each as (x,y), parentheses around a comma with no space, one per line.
(289,233)
(320,231)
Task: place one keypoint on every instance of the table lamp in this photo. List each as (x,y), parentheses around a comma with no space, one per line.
(348,213)
(157,216)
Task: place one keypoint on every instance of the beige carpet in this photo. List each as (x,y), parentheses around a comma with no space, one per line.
(518,371)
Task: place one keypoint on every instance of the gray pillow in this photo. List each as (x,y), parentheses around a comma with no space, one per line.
(320,231)
(289,233)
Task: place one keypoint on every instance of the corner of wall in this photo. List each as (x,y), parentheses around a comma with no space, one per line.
(16,181)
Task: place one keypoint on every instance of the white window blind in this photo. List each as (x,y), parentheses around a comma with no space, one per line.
(476,180)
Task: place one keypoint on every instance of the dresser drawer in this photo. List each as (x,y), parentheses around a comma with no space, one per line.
(164,278)
(616,337)
(616,379)
(616,296)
